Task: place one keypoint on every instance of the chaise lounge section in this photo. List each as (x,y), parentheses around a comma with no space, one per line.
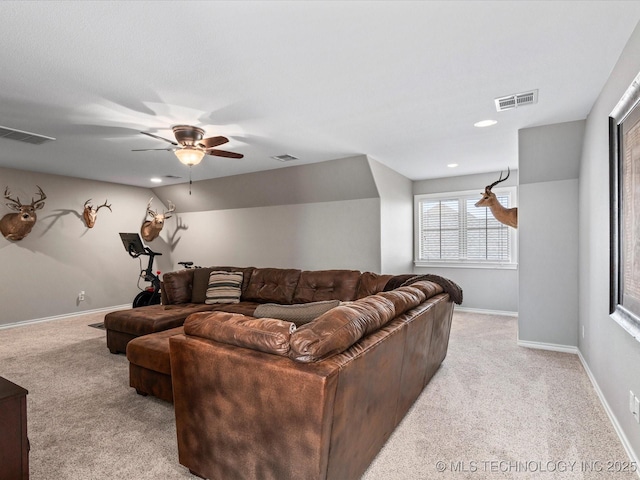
(183,293)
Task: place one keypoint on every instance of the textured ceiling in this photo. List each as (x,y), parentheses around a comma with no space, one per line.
(402,82)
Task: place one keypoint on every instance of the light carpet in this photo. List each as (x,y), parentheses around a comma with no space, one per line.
(493,410)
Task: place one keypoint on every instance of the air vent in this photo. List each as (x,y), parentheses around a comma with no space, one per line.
(516,100)
(285,158)
(26,137)
(171,176)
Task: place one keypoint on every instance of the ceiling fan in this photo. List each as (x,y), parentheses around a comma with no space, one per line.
(190,146)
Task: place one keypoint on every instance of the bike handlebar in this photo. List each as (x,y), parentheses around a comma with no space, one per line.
(147,251)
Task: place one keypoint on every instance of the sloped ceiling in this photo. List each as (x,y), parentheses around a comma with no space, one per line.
(401,82)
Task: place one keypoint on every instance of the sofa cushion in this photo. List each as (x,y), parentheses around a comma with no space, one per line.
(267,335)
(152,351)
(371,283)
(151,319)
(224,287)
(201,280)
(338,329)
(320,285)
(298,313)
(276,285)
(245,308)
(404,298)
(429,288)
(176,286)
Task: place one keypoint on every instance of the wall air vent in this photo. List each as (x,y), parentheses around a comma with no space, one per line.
(516,100)
(27,137)
(285,158)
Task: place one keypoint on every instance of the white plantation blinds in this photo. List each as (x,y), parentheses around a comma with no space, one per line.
(452,230)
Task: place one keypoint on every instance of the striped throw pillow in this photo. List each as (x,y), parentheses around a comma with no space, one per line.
(224,287)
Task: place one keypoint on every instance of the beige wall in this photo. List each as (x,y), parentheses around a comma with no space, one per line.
(611,354)
(317,216)
(309,236)
(44,272)
(549,157)
(396,207)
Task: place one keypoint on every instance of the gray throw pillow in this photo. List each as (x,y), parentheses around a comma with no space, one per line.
(299,314)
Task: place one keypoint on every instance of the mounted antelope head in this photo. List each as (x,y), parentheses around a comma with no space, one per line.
(508,216)
(151,228)
(16,226)
(90,214)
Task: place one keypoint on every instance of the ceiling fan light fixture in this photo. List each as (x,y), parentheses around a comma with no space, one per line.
(190,156)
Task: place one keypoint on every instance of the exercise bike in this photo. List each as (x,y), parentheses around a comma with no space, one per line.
(151,294)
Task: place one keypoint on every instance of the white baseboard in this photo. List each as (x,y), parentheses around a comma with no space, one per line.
(554,347)
(486,312)
(614,421)
(61,317)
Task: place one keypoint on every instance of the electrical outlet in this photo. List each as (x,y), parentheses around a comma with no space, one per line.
(81,296)
(634,406)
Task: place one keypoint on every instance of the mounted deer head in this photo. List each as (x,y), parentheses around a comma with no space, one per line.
(151,228)
(508,216)
(16,226)
(90,214)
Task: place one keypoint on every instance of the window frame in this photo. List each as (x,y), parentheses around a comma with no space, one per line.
(512,192)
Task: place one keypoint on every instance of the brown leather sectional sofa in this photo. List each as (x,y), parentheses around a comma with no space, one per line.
(264,398)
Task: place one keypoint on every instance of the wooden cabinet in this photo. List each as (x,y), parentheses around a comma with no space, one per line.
(14,445)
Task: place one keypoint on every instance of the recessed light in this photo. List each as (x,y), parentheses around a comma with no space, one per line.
(452,165)
(156,180)
(485,123)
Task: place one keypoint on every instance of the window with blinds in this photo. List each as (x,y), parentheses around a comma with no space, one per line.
(452,230)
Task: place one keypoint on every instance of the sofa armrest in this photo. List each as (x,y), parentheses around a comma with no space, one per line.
(240,411)
(267,335)
(176,286)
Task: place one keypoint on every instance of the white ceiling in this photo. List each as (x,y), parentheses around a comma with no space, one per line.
(402,82)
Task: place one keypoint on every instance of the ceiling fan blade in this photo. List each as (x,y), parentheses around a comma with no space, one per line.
(160,138)
(153,149)
(223,153)
(213,141)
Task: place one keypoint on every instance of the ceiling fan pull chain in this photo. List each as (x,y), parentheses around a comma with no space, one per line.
(190,182)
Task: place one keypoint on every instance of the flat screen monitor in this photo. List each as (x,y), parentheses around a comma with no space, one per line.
(132,243)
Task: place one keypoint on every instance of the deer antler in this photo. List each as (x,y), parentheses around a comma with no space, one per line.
(104,205)
(172,209)
(500,180)
(149,211)
(87,204)
(16,200)
(42,197)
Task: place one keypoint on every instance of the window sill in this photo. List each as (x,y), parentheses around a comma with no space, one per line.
(488,266)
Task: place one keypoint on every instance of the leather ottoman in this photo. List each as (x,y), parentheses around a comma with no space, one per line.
(124,325)
(149,364)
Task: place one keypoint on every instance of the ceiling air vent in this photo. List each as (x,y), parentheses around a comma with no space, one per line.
(516,100)
(27,137)
(172,176)
(285,158)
